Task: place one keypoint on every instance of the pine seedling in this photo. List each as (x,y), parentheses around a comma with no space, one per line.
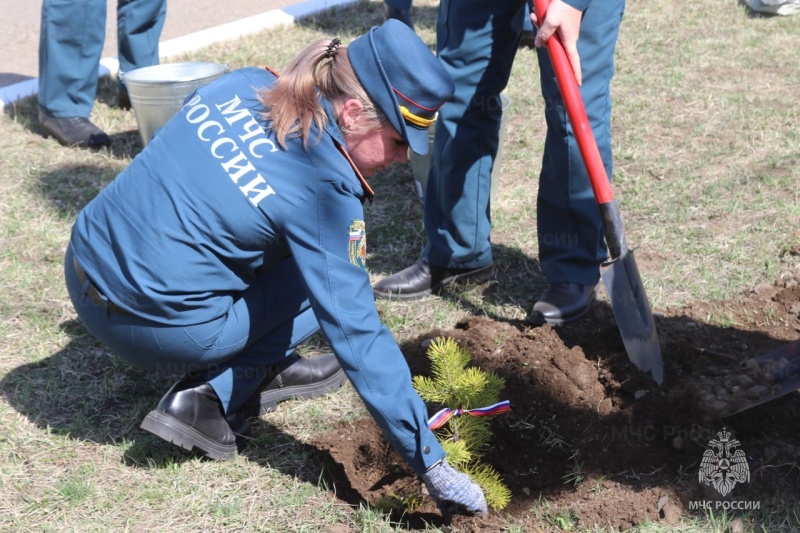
(464,438)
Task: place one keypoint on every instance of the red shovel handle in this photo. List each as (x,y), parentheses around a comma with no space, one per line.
(576,112)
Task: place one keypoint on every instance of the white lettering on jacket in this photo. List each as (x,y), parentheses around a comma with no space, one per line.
(225,147)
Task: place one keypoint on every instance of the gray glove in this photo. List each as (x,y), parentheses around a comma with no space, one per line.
(454,491)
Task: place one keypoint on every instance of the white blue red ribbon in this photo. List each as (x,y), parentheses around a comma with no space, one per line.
(441,418)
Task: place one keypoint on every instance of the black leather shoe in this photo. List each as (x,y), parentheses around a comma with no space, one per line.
(74,131)
(562,303)
(123,100)
(296,378)
(421,279)
(403,15)
(190,415)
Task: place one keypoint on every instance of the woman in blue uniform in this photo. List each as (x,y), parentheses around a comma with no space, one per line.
(239,232)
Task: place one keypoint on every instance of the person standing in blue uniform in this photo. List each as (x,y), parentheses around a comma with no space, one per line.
(477,42)
(239,232)
(70,44)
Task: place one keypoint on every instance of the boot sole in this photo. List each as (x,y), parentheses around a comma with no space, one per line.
(269,400)
(478,276)
(176,432)
(48,135)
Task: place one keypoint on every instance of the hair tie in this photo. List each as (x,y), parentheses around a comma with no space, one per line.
(335,43)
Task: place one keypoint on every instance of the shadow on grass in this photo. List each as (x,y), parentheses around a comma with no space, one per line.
(85,393)
(124,145)
(70,187)
(763,14)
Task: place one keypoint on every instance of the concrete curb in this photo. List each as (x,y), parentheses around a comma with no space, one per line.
(109,66)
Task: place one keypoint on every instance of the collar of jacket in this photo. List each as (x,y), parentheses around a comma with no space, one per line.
(332,129)
(369,194)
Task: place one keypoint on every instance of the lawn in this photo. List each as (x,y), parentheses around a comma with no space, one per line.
(707,162)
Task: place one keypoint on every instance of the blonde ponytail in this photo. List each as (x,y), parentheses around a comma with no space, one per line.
(293,104)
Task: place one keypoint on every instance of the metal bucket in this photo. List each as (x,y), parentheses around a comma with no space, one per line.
(158,92)
(421,164)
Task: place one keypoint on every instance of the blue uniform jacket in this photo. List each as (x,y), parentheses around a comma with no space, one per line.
(184,229)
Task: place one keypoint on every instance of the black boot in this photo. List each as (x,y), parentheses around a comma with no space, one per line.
(74,131)
(562,303)
(421,279)
(300,378)
(123,99)
(190,415)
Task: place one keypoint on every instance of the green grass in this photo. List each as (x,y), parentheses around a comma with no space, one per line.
(707,162)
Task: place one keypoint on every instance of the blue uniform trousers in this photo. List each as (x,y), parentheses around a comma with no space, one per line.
(71,42)
(477,42)
(233,352)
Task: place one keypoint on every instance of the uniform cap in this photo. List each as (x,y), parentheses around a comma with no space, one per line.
(403,77)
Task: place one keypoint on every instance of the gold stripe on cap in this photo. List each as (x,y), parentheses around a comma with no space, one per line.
(416,119)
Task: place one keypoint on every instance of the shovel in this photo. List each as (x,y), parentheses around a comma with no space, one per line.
(620,275)
(755,381)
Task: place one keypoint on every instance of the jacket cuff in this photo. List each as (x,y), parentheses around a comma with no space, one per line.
(429,453)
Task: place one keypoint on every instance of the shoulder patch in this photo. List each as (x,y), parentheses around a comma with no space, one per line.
(357,244)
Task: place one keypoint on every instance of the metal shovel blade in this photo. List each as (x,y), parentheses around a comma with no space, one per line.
(769,376)
(633,314)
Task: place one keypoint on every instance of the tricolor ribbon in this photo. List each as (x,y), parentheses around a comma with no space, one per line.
(441,418)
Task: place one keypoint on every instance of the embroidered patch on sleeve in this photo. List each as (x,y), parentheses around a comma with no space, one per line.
(357,245)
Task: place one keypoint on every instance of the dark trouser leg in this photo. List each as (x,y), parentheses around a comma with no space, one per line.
(70,44)
(571,243)
(476,42)
(139,25)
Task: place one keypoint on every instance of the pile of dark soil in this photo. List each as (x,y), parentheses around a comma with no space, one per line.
(590,440)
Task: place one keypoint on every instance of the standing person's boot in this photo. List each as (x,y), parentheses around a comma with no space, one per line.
(403,15)
(422,279)
(562,303)
(123,98)
(73,131)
